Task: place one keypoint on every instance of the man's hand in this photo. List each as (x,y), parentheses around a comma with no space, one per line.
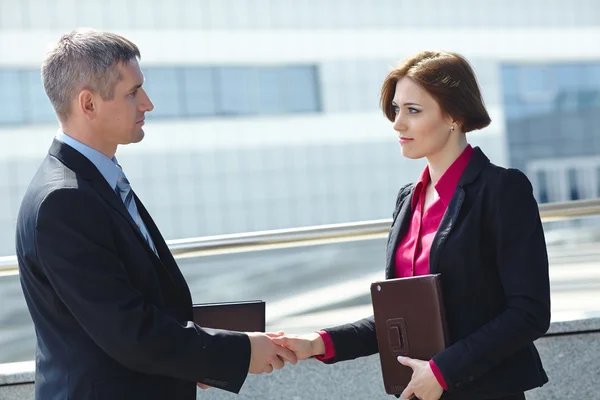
(304,346)
(423,383)
(266,355)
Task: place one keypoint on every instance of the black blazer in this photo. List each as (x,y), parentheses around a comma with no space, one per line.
(491,253)
(112,319)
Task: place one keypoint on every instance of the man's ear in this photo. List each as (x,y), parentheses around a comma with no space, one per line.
(86,103)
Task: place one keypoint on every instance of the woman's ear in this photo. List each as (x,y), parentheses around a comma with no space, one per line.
(453,123)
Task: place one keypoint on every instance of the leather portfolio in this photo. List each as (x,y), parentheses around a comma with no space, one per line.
(241,316)
(410,321)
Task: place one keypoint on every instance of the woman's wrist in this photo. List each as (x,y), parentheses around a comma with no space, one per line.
(317,344)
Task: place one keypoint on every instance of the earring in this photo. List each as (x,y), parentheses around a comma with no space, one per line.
(452,128)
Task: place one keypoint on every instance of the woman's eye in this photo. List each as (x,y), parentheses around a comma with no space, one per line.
(412,110)
(396,109)
(134,93)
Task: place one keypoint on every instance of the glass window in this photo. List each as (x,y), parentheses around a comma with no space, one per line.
(567,100)
(573,186)
(163,85)
(591,75)
(568,76)
(542,187)
(39,108)
(300,86)
(238,90)
(598,182)
(537,83)
(199,91)
(589,99)
(510,81)
(270,90)
(11,97)
(183,92)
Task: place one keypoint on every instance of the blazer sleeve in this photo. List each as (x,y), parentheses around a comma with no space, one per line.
(350,341)
(79,258)
(522,262)
(359,339)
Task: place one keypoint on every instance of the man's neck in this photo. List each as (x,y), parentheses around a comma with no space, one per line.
(90,139)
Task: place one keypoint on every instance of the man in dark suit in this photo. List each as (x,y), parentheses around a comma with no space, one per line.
(111,308)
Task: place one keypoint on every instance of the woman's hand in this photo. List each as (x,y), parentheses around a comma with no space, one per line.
(305,346)
(423,383)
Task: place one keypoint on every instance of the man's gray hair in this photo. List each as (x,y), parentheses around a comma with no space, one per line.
(84,59)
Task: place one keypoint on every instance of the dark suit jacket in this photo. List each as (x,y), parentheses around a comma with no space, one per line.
(491,253)
(112,319)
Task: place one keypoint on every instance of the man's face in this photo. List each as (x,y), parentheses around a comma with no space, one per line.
(121,119)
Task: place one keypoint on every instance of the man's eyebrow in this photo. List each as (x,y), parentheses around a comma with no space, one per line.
(139,85)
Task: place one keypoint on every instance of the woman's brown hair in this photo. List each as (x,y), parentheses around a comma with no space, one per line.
(449,79)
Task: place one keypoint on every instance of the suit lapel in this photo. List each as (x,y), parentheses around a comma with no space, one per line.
(165,256)
(399,228)
(78,163)
(86,169)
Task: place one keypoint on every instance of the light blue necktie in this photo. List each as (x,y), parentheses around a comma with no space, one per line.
(123,189)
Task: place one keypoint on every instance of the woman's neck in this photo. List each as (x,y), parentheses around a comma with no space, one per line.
(441,161)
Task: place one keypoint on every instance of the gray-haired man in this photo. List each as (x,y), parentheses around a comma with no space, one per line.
(111,308)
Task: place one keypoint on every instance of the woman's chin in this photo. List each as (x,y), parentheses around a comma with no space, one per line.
(412,155)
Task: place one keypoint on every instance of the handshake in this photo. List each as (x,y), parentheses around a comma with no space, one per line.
(270,351)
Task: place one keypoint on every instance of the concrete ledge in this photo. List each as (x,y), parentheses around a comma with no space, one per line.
(17,373)
(569,353)
(578,326)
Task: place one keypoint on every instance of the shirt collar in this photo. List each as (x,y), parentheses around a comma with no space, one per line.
(108,167)
(446,186)
(421,183)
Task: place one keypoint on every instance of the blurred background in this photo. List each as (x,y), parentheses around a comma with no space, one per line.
(267,117)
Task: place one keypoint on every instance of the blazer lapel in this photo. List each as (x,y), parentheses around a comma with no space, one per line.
(399,228)
(477,162)
(446,225)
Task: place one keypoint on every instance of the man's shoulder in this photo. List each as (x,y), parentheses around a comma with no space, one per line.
(52,183)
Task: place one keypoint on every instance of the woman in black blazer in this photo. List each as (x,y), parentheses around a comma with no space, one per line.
(476,224)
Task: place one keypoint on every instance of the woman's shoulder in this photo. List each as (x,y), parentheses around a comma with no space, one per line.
(404,192)
(501,179)
(506,190)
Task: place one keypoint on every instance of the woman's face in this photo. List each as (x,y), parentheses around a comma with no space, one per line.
(423,129)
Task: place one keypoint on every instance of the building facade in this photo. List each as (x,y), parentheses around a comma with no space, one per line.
(266,111)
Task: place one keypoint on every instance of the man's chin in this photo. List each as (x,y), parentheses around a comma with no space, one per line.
(138,136)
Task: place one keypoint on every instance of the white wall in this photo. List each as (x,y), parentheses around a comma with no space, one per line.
(27,48)
(295,14)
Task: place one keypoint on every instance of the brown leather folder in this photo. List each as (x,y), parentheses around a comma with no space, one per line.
(241,316)
(410,321)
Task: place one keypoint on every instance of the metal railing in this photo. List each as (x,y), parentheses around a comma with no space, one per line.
(315,235)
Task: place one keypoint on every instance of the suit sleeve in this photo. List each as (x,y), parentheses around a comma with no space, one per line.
(79,257)
(522,262)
